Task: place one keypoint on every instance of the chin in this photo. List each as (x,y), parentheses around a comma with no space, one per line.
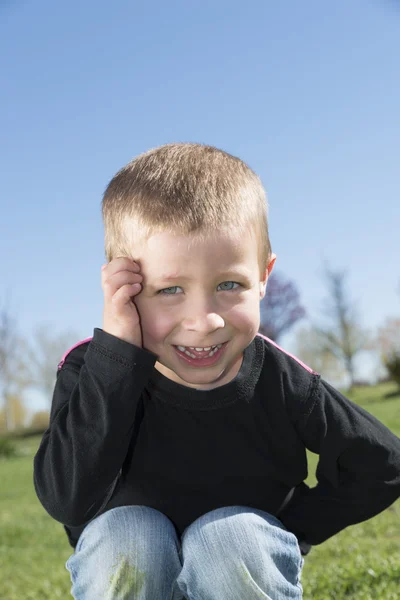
(201,379)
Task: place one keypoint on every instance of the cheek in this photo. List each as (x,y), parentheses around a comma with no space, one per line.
(155,325)
(244,318)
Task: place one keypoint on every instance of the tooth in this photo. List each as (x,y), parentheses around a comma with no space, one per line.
(213,349)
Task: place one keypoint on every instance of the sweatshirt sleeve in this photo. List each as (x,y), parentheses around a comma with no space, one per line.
(92,417)
(358,472)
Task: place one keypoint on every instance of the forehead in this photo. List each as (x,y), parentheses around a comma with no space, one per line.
(166,253)
(226,243)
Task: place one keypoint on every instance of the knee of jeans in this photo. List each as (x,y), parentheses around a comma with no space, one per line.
(235,532)
(244,545)
(127,548)
(127,528)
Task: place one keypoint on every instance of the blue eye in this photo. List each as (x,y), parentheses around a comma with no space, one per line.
(165,291)
(232,282)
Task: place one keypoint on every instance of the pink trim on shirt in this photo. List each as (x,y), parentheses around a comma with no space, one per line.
(62,361)
(288,354)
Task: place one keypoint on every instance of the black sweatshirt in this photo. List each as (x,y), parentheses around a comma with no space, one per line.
(121,433)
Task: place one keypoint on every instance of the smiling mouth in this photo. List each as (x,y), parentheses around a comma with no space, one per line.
(197,352)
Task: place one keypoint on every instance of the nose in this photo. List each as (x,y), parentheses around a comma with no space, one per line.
(203,317)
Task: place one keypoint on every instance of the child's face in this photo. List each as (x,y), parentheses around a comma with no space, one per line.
(201,304)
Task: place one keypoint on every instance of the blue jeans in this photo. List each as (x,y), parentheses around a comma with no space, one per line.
(232,553)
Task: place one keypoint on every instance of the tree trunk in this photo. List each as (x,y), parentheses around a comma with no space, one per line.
(9,413)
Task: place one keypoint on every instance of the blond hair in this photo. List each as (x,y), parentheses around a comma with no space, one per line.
(183,189)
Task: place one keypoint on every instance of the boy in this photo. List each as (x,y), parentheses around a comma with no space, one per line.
(176,451)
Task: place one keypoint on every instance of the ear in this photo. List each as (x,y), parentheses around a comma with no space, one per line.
(263,283)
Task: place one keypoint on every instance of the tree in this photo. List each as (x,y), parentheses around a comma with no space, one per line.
(7,335)
(14,374)
(45,352)
(280,308)
(342,336)
(389,346)
(40,420)
(311,349)
(16,410)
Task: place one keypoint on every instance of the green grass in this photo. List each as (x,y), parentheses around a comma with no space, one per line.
(363,561)
(360,563)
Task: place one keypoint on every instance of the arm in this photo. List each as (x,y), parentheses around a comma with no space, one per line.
(92,417)
(358,471)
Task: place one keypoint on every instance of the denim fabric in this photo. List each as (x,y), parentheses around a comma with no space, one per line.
(232,553)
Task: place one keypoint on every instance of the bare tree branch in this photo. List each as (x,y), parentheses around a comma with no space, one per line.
(343,336)
(44,354)
(14,375)
(312,348)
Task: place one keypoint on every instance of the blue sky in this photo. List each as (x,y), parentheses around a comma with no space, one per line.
(307,93)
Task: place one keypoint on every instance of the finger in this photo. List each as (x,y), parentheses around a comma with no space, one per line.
(122,299)
(112,284)
(121,263)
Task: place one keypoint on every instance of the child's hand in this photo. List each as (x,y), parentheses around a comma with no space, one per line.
(120,317)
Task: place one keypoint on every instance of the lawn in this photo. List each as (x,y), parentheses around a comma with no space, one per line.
(360,563)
